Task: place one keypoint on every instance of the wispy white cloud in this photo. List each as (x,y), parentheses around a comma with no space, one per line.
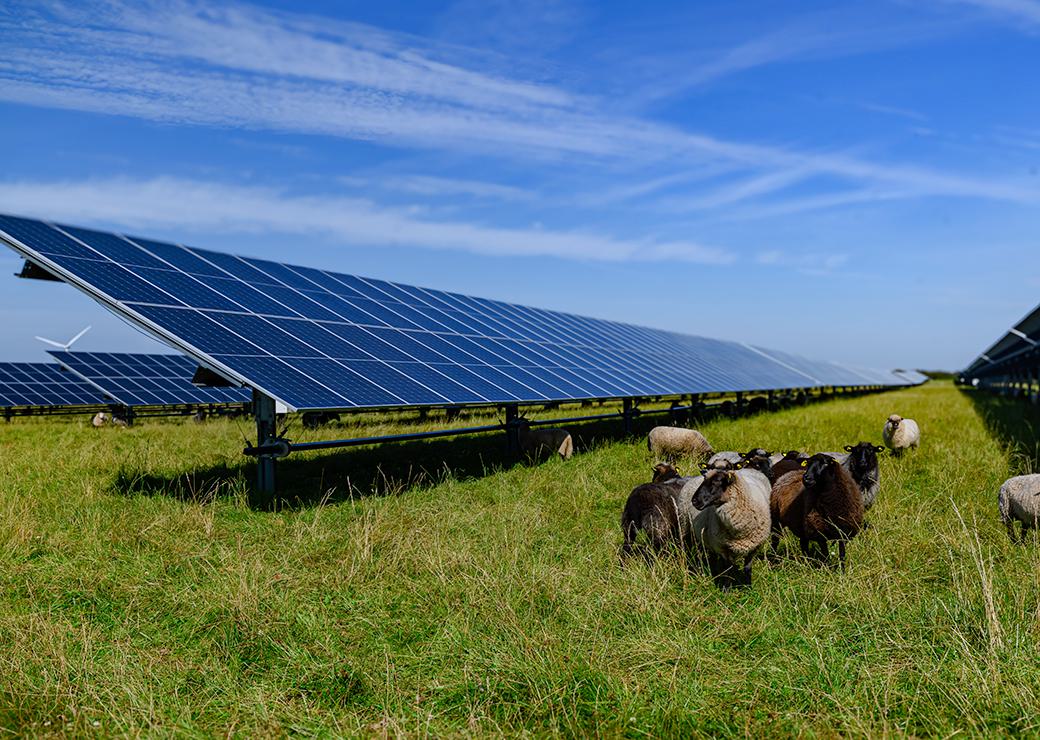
(1016,10)
(243,67)
(446,187)
(217,208)
(845,31)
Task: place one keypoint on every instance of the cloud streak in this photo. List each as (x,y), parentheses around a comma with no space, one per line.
(248,68)
(219,208)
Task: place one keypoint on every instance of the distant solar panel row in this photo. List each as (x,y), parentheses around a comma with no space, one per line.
(24,384)
(146,379)
(320,340)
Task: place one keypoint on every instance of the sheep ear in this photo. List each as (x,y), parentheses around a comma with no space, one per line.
(848,448)
(738,466)
(805,463)
(879,448)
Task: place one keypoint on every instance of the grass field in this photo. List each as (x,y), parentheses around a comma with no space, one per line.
(139,593)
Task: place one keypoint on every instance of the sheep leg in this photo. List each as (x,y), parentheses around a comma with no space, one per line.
(721,572)
(747,571)
(841,554)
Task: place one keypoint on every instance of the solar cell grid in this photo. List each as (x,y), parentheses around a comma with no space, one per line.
(316,339)
(24,384)
(146,379)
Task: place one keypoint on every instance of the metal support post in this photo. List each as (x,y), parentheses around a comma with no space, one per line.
(629,412)
(266,431)
(513,429)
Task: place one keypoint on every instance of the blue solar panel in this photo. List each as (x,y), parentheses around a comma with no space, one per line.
(146,379)
(26,384)
(314,339)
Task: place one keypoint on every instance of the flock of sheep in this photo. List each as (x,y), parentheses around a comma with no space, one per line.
(740,501)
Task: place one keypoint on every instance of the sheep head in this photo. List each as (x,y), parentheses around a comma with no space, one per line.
(664,472)
(862,457)
(894,420)
(715,489)
(818,469)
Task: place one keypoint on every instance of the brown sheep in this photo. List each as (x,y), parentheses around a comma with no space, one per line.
(822,503)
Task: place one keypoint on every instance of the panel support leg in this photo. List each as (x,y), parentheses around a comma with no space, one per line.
(513,429)
(266,429)
(628,412)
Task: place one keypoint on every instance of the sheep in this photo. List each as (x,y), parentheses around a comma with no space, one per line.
(670,443)
(664,472)
(758,459)
(544,442)
(900,433)
(819,505)
(790,460)
(731,456)
(732,522)
(653,508)
(862,465)
(99,420)
(1019,498)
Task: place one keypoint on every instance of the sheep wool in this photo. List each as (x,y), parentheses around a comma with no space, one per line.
(650,508)
(733,522)
(900,434)
(670,443)
(1019,500)
(821,504)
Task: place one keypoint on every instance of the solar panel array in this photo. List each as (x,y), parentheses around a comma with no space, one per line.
(24,384)
(146,379)
(1021,339)
(315,339)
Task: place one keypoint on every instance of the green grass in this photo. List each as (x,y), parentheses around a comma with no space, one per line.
(485,599)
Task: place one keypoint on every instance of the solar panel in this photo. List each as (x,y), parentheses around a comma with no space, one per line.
(315,339)
(912,376)
(26,384)
(146,379)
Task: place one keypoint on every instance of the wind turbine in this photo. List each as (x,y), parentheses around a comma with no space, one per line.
(67,344)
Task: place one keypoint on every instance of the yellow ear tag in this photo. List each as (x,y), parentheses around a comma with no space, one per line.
(805,463)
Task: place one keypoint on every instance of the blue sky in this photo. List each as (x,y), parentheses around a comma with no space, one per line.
(851,181)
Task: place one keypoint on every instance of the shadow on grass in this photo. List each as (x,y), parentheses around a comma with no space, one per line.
(377,470)
(357,472)
(1015,422)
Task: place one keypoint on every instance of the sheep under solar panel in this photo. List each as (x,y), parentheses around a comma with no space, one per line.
(146,379)
(314,339)
(27,384)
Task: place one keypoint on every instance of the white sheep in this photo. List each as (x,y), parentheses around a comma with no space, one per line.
(733,521)
(899,434)
(1019,499)
(544,442)
(99,420)
(670,443)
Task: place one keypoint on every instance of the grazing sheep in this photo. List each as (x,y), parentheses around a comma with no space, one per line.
(99,420)
(819,505)
(900,433)
(1019,499)
(790,460)
(539,443)
(670,443)
(651,508)
(732,523)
